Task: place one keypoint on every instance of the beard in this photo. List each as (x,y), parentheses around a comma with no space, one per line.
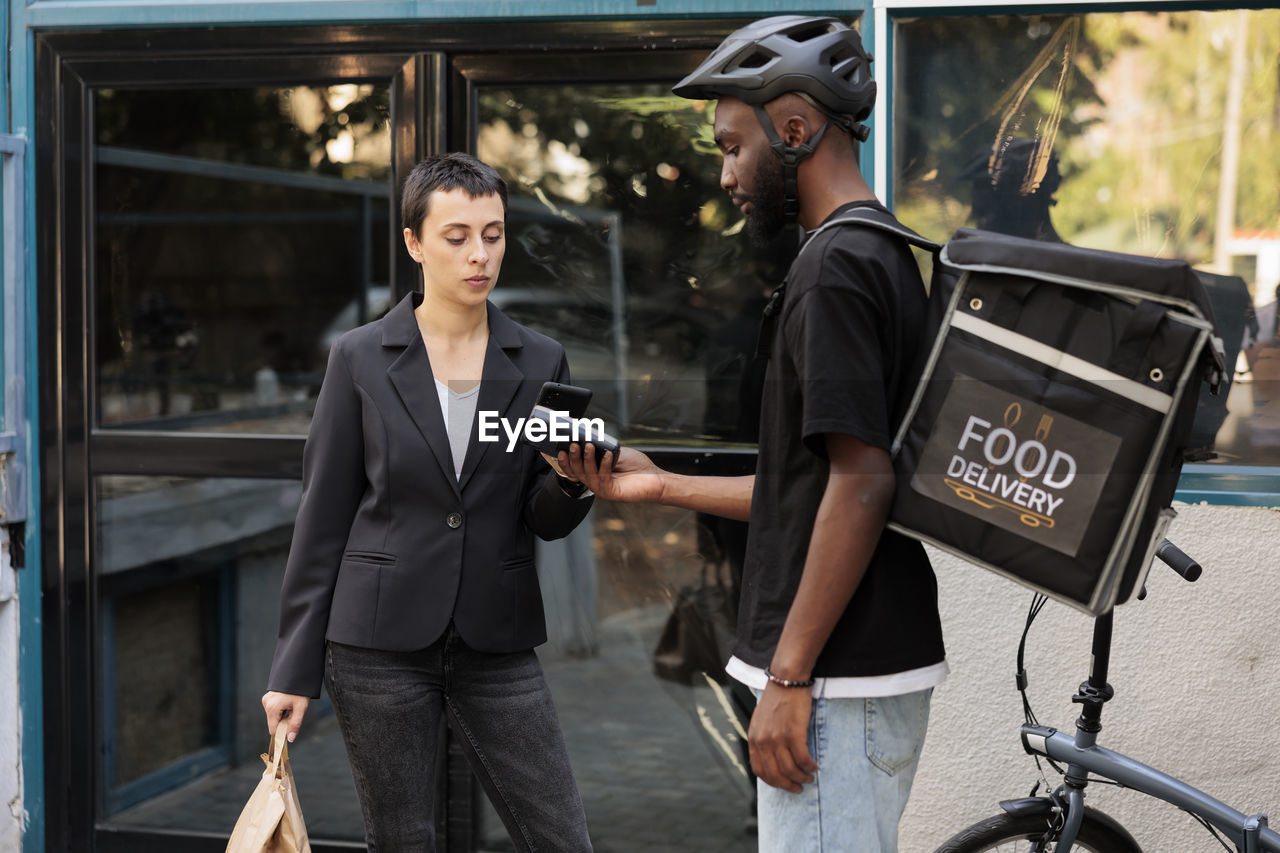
(767,215)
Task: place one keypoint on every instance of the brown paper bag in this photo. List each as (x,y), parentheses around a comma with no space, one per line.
(272,819)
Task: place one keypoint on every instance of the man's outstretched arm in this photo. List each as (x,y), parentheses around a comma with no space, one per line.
(633,478)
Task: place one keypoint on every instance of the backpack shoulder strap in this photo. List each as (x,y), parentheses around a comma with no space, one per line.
(871,218)
(867,218)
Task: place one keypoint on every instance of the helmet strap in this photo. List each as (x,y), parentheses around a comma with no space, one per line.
(846,123)
(792,157)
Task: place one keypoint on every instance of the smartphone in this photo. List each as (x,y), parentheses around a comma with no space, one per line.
(559,397)
(560,405)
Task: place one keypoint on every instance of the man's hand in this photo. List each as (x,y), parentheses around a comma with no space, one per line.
(778,738)
(631,477)
(281,706)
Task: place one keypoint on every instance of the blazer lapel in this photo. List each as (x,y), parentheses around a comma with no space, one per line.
(411,375)
(500,380)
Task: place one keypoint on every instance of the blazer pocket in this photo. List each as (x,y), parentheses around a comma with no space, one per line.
(375,558)
(517,564)
(353,613)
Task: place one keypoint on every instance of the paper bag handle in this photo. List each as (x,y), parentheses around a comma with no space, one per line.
(279,748)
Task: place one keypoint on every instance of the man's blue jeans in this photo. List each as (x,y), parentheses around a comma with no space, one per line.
(867,751)
(389,706)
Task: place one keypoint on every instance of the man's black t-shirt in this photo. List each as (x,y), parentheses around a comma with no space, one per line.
(845,344)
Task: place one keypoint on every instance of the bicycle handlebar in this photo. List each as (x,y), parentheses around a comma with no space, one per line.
(1174,558)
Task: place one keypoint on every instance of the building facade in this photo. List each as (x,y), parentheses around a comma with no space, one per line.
(198,197)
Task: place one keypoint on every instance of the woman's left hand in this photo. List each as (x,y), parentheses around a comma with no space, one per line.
(284,709)
(555,465)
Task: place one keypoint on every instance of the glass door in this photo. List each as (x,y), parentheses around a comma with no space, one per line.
(224,230)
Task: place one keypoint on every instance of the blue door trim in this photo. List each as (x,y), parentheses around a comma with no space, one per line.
(96,14)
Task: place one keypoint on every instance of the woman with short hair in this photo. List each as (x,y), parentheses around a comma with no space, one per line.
(410,588)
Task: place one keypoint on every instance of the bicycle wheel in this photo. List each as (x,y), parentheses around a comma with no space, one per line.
(1023,833)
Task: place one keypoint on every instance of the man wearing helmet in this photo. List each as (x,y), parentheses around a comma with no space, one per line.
(838,628)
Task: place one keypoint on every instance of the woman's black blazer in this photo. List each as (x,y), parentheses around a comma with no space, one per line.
(389,546)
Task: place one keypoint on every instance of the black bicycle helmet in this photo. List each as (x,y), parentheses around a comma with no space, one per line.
(819,57)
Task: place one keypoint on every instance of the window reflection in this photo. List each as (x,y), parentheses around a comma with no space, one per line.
(625,720)
(188,574)
(625,250)
(1149,133)
(238,231)
(226,271)
(623,247)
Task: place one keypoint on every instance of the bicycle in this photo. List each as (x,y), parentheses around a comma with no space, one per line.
(1061,822)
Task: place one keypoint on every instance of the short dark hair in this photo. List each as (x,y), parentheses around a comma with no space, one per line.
(447,172)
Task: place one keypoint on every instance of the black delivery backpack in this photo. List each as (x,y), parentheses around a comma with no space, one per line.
(1049,425)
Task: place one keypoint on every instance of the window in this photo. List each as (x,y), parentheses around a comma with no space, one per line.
(627,251)
(239,231)
(219,224)
(188,577)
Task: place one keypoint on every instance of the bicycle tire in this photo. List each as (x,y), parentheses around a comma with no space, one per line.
(1013,831)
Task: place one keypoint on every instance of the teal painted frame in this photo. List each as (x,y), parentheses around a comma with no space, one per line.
(97,14)
(1218,485)
(1230,485)
(867,151)
(16,437)
(16,109)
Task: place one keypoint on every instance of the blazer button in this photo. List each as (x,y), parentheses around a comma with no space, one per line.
(454,520)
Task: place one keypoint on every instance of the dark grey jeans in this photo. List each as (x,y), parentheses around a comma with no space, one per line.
(389,706)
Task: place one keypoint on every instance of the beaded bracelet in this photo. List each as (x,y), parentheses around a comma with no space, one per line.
(782,682)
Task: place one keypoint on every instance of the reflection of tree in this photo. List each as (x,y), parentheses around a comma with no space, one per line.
(233,255)
(634,151)
(1142,116)
(963,85)
(585,161)
(280,128)
(1159,128)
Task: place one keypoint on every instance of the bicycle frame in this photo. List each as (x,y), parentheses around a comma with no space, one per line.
(1248,832)
(1083,756)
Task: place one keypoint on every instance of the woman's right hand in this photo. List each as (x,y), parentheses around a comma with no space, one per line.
(280,706)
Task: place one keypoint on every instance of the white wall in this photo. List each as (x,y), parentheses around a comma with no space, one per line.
(1196,669)
(10,739)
